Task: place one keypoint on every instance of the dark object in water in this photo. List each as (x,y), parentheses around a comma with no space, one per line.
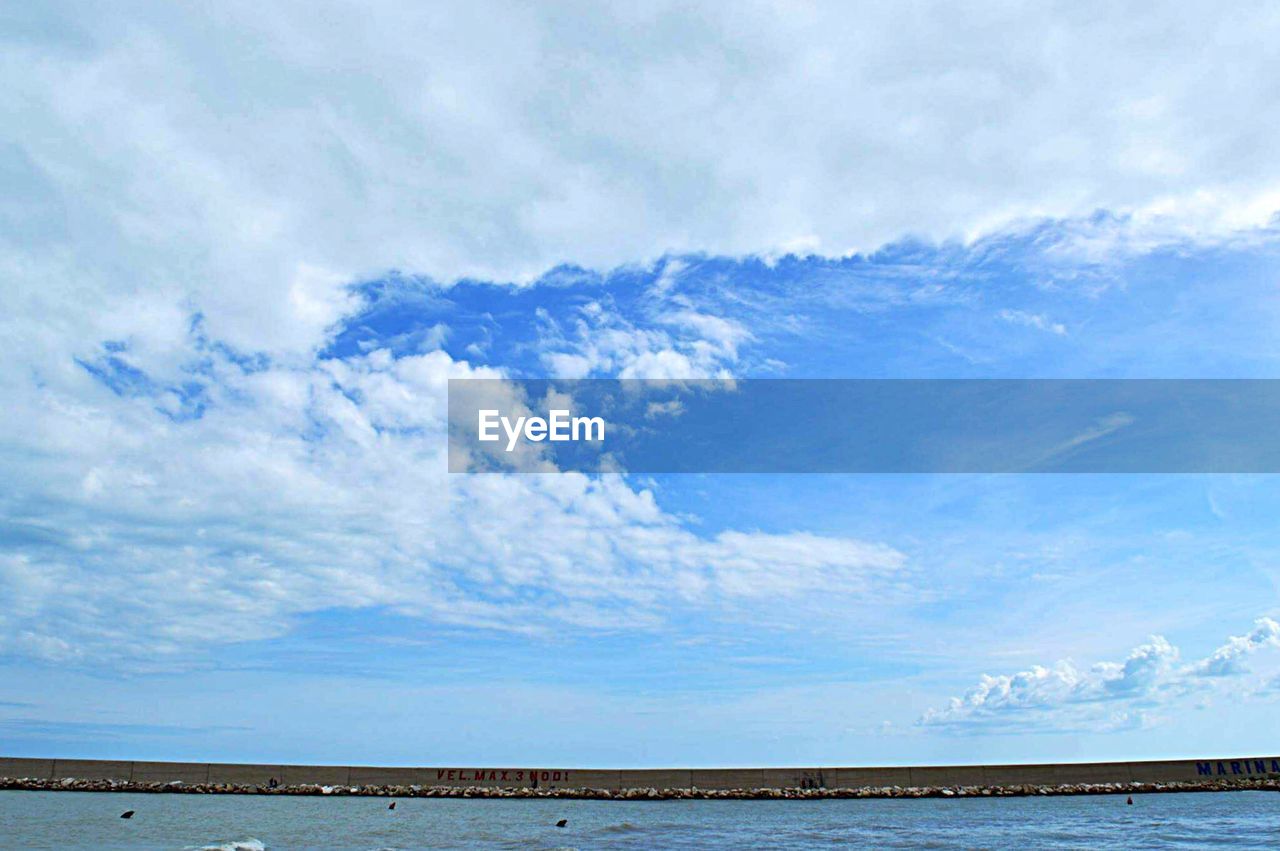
(393,806)
(127,814)
(1130,801)
(562,822)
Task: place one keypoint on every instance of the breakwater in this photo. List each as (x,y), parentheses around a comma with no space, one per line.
(895,781)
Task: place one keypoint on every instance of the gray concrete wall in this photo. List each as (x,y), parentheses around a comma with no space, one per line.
(91,769)
(673,778)
(854,778)
(656,778)
(168,772)
(17,767)
(725,778)
(323,775)
(243,774)
(372,776)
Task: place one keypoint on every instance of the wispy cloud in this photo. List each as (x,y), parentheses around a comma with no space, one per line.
(667,338)
(1039,321)
(41,729)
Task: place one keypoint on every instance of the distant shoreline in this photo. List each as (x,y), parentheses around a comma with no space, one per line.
(1259,773)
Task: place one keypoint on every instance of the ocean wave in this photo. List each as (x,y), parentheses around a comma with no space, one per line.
(653,827)
(235,845)
(624,827)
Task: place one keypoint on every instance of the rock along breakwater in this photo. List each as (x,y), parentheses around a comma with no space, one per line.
(650,794)
(644,784)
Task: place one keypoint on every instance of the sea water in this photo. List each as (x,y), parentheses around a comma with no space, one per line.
(86,820)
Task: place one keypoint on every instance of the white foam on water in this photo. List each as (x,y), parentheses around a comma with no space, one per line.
(236,845)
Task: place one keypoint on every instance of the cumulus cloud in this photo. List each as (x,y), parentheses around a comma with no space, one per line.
(1229,659)
(1105,696)
(142,537)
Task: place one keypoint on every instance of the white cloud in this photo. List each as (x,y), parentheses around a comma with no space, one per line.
(1106,696)
(1033,320)
(678,342)
(247,164)
(1228,660)
(145,539)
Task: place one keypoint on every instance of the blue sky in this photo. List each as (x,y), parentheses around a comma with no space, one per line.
(242,256)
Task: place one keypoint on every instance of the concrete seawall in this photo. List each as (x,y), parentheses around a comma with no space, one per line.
(1054,774)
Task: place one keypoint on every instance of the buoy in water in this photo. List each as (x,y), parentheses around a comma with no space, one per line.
(562,822)
(1130,801)
(393,806)
(127,814)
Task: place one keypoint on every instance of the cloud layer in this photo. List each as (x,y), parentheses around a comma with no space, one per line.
(252,164)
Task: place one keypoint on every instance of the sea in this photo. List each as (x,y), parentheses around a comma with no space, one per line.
(86,820)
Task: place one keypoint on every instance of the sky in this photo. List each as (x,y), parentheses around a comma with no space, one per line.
(243,250)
